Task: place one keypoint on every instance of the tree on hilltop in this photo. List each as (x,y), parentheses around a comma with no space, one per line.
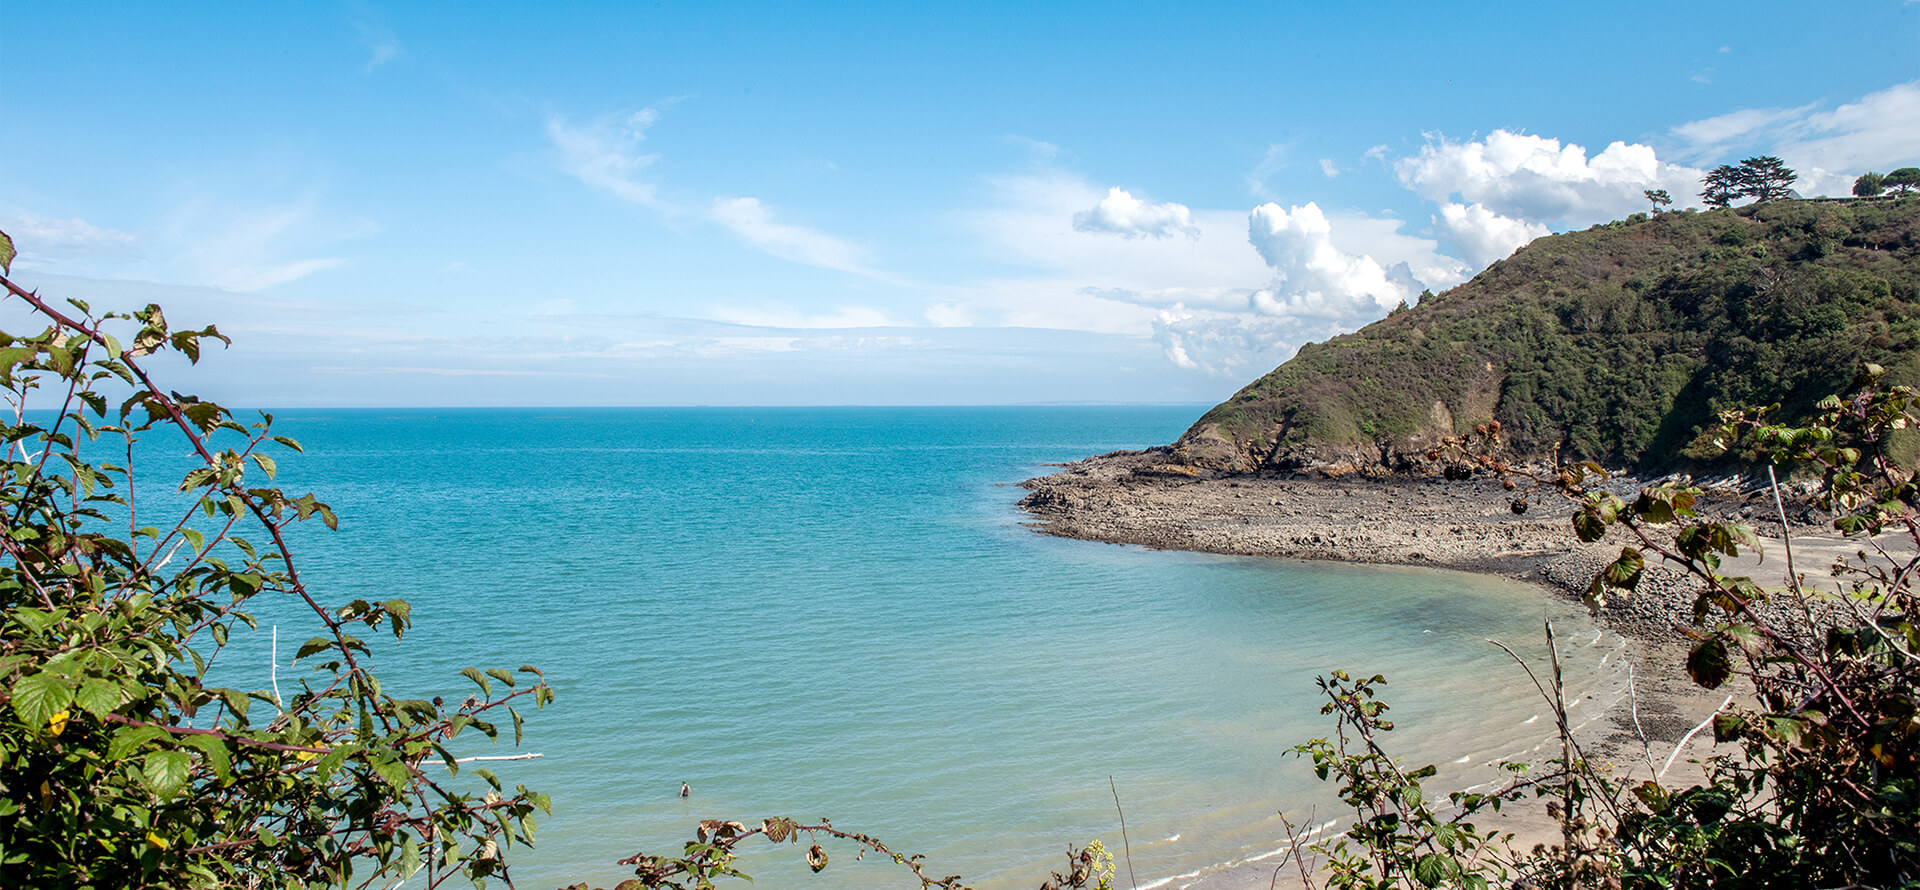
(1723,184)
(1766,178)
(1868,185)
(1903,180)
(1659,197)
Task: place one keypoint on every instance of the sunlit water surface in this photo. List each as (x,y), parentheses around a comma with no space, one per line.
(838,613)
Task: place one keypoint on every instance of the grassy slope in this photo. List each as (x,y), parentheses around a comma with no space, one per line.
(1617,343)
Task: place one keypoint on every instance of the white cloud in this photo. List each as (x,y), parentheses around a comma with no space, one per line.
(1709,137)
(48,242)
(1232,346)
(1327,167)
(1828,149)
(754,223)
(842,317)
(602,155)
(1539,180)
(1313,277)
(1483,235)
(252,278)
(1270,163)
(249,248)
(1120,213)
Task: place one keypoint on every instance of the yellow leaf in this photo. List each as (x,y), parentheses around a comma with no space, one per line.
(157,840)
(58,723)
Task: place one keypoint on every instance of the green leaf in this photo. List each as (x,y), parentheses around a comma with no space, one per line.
(479,679)
(1624,573)
(214,749)
(6,253)
(131,739)
(317,644)
(37,697)
(1432,869)
(501,675)
(166,772)
(390,769)
(97,696)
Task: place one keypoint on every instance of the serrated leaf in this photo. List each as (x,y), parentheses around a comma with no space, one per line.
(501,675)
(1624,573)
(131,739)
(214,749)
(317,644)
(393,771)
(165,772)
(97,696)
(1707,664)
(37,697)
(1431,869)
(7,253)
(479,679)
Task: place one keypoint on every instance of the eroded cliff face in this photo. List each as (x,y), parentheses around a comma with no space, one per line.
(1289,446)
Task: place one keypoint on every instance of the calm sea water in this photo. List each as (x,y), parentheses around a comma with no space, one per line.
(838,613)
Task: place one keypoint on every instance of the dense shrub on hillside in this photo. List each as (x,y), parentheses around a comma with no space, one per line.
(1618,343)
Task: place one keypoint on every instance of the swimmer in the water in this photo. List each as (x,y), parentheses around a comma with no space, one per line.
(685,791)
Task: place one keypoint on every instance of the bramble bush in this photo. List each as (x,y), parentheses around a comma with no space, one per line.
(123,764)
(1819,784)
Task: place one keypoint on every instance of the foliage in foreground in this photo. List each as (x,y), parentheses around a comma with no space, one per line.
(122,763)
(1822,784)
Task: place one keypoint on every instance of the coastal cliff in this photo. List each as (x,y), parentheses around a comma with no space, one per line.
(1620,344)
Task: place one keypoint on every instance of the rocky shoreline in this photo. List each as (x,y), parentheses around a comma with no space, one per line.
(1151,499)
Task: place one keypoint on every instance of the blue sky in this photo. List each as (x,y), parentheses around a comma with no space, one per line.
(820,203)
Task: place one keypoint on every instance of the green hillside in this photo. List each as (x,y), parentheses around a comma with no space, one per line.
(1618,343)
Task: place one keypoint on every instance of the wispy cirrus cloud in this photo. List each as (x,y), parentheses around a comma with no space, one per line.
(382,47)
(1828,148)
(754,223)
(603,154)
(52,243)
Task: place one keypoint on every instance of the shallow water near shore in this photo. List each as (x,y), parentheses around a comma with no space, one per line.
(837,613)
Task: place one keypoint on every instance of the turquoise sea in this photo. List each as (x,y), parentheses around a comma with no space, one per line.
(837,612)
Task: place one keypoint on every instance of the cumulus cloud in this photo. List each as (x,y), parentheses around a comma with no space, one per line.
(602,154)
(1120,213)
(1539,180)
(1233,346)
(1329,168)
(1313,277)
(754,223)
(1483,235)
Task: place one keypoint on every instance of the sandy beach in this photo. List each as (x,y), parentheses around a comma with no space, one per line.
(1143,498)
